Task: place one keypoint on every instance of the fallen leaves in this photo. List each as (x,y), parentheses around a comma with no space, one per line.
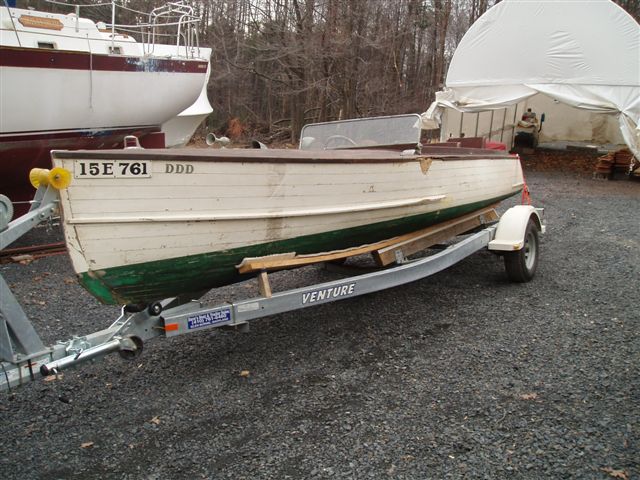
(528,396)
(52,378)
(86,445)
(23,259)
(155,420)
(616,473)
(244,373)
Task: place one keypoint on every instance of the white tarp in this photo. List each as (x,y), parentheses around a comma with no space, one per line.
(583,53)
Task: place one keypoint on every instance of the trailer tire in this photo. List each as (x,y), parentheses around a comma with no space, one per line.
(521,265)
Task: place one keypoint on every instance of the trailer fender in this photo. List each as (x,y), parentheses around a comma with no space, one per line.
(509,235)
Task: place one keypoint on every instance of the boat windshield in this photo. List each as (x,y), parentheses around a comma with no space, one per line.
(362,133)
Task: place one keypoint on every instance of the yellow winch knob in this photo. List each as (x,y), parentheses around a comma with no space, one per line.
(59,178)
(39,176)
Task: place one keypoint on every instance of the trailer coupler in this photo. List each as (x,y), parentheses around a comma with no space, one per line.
(128,347)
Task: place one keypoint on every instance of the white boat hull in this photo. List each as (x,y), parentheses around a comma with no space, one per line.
(91,100)
(198,205)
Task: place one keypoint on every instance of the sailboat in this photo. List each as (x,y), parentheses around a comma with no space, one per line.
(71,83)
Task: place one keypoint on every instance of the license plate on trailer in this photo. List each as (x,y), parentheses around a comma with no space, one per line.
(112,169)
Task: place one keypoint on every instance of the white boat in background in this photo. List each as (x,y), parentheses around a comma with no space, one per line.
(179,130)
(147,224)
(69,82)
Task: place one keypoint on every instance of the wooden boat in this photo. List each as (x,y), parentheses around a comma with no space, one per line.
(142,224)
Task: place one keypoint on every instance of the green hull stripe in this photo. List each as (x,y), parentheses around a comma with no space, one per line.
(146,282)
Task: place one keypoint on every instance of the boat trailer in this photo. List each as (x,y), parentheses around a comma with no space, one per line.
(24,357)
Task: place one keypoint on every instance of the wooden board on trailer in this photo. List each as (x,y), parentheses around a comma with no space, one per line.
(434,235)
(383,251)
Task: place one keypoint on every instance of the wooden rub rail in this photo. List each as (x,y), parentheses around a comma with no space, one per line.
(384,252)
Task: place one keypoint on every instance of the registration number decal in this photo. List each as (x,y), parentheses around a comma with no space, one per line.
(112,169)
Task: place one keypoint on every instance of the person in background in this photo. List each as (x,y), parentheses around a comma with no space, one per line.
(529,116)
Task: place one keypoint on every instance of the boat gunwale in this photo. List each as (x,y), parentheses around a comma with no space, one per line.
(241,155)
(37,135)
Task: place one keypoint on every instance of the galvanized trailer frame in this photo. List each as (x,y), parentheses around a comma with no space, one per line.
(24,357)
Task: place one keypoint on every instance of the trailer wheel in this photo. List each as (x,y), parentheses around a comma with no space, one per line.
(521,265)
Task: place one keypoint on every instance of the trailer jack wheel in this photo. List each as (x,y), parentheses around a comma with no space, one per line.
(521,265)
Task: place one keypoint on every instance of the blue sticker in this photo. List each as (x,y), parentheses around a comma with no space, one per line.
(208,319)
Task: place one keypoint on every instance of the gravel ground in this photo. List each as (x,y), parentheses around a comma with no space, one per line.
(462,375)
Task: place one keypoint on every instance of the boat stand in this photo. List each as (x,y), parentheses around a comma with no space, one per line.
(24,358)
